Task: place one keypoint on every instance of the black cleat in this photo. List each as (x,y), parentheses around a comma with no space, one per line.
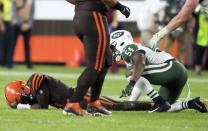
(96,109)
(163,108)
(199,105)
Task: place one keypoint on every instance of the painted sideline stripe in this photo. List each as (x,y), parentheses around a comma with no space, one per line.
(76,75)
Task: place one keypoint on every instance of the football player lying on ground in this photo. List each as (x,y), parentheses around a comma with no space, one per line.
(41,90)
(156,67)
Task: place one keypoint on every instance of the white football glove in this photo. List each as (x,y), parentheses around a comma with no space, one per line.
(154,41)
(23,106)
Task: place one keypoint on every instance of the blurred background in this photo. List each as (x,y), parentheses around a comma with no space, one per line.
(40,32)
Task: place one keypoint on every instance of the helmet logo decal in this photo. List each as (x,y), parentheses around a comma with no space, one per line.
(117,35)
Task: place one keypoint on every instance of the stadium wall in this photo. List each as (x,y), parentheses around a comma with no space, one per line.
(53,39)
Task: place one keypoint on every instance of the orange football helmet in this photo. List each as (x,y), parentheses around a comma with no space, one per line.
(15,91)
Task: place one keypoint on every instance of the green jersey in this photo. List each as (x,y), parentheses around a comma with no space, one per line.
(160,69)
(151,57)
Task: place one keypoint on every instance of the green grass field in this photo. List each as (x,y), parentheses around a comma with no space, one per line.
(53,120)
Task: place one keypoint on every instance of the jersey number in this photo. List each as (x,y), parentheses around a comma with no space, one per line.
(129,51)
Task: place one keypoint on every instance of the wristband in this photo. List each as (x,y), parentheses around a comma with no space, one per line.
(132,83)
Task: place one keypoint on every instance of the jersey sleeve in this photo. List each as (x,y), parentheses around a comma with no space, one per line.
(39,91)
(35,82)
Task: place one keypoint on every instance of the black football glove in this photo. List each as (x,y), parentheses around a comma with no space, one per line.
(126,11)
(128,89)
(123,9)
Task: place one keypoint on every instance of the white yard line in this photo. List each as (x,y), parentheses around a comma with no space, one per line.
(76,75)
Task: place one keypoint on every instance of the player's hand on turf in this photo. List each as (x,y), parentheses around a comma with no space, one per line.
(123,93)
(126,11)
(126,91)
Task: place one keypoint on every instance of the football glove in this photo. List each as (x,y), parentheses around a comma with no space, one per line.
(154,41)
(128,89)
(123,9)
(23,106)
(126,11)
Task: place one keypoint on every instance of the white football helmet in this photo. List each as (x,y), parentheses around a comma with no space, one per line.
(120,39)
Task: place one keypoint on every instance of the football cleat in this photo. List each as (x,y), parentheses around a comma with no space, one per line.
(199,105)
(96,109)
(163,108)
(73,109)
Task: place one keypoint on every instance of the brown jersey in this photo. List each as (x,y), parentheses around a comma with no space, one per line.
(90,5)
(46,90)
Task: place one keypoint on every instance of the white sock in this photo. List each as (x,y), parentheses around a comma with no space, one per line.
(178,106)
(184,104)
(146,86)
(141,84)
(136,93)
(148,89)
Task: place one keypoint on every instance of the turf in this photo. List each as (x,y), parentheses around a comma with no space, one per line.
(53,120)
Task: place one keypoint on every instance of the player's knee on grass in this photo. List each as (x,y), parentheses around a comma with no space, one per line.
(170,94)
